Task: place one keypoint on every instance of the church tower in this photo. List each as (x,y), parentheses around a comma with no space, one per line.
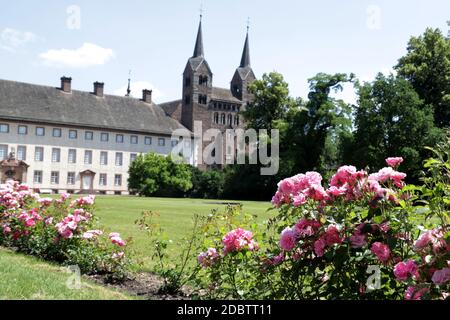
(197,84)
(243,76)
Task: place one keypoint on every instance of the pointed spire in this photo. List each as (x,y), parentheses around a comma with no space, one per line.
(198,50)
(129,85)
(245,60)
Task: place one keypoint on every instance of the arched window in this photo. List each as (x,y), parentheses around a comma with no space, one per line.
(203,80)
(236,120)
(216,118)
(230,119)
(222,118)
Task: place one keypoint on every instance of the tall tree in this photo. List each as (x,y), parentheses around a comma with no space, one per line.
(427,67)
(271,102)
(391,120)
(316,129)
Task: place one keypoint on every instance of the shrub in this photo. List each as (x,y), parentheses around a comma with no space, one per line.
(207,184)
(359,237)
(59,230)
(152,174)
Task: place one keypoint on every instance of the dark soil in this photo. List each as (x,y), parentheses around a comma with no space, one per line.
(143,285)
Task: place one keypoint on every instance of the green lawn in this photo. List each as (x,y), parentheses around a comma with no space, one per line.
(118,213)
(24,277)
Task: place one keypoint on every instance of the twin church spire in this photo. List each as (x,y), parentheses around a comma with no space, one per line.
(199,50)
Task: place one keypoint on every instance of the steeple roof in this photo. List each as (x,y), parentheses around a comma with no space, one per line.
(198,50)
(245,60)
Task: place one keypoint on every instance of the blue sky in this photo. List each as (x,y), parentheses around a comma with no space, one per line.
(40,41)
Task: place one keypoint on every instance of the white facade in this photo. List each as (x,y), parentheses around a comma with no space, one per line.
(55,171)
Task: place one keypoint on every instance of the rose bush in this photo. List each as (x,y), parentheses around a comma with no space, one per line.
(361,236)
(59,230)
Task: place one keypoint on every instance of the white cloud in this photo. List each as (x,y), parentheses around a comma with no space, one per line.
(136,90)
(12,39)
(86,56)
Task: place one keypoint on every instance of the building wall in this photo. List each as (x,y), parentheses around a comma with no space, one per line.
(12,139)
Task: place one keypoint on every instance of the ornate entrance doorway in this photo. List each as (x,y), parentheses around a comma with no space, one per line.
(87,181)
(13,169)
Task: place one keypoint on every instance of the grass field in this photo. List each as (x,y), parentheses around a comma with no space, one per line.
(24,277)
(120,213)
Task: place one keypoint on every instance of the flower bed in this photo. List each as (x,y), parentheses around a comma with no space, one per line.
(357,237)
(59,230)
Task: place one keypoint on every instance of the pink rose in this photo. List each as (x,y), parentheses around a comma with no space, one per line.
(381,251)
(394,162)
(288,239)
(332,235)
(441,276)
(358,240)
(403,270)
(208,258)
(319,247)
(299,200)
(238,240)
(412,293)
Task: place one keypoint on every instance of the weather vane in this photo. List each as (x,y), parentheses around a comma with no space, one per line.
(248,23)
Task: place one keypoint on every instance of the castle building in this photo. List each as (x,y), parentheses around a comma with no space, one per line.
(215,107)
(64,140)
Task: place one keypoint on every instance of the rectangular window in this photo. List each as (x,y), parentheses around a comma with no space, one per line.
(161,142)
(22,130)
(134,140)
(89,135)
(104,158)
(119,138)
(133,157)
(39,154)
(148,141)
(103,179)
(73,134)
(71,178)
(37,177)
(72,157)
(174,143)
(104,137)
(54,177)
(57,133)
(40,131)
(88,157)
(119,159)
(56,155)
(118,180)
(22,153)
(3,152)
(4,128)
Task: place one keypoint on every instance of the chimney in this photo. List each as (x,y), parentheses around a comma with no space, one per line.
(147,96)
(99,88)
(66,84)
